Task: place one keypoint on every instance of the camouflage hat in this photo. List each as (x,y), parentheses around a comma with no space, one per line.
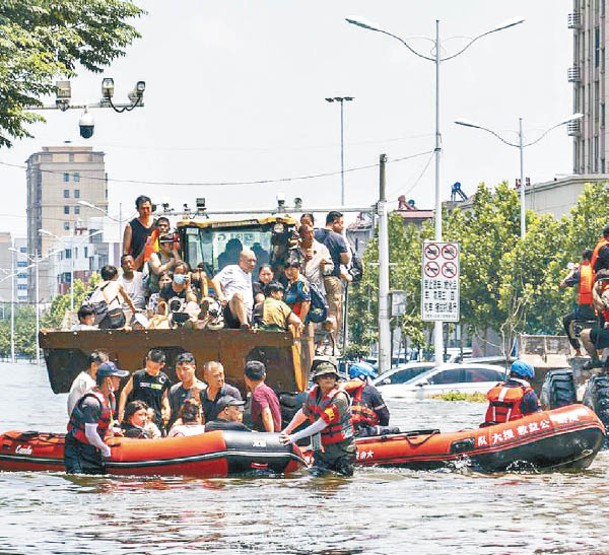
(324,368)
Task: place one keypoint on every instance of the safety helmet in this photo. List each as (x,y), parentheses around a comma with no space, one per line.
(362,370)
(522,369)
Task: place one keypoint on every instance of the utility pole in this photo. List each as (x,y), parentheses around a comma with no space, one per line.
(383,317)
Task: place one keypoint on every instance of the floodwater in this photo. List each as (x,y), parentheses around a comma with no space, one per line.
(377,511)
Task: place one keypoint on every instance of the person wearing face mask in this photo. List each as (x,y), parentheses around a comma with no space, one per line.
(90,424)
(180,286)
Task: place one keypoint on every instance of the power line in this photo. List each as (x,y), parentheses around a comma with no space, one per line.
(227,183)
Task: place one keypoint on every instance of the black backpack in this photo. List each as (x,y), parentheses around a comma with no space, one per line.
(357,268)
(319,306)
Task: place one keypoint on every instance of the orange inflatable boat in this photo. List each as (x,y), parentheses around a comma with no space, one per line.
(568,437)
(212,454)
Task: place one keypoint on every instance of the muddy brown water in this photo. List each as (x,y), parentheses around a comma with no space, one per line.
(378,511)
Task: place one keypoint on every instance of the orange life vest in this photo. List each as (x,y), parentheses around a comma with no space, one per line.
(504,402)
(586,281)
(76,425)
(601,243)
(361,414)
(340,429)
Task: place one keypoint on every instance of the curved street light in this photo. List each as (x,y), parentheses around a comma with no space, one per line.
(521,145)
(384,325)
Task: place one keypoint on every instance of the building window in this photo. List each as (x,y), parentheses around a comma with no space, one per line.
(76,177)
(22,275)
(21,263)
(71,157)
(22,287)
(77,210)
(76,193)
(66,209)
(67,254)
(66,177)
(23,249)
(86,252)
(66,193)
(66,226)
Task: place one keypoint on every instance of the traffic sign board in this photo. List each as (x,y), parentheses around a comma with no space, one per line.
(440,282)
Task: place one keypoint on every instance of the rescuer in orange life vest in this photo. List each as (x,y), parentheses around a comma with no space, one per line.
(90,423)
(582,276)
(514,398)
(369,413)
(327,406)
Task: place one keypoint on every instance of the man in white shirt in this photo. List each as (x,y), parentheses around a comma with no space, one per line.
(233,287)
(133,282)
(317,261)
(85,381)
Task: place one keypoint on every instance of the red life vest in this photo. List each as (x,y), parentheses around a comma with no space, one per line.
(76,425)
(586,281)
(601,243)
(504,402)
(340,429)
(361,414)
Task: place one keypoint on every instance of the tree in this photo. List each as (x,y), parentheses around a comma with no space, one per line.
(405,244)
(41,40)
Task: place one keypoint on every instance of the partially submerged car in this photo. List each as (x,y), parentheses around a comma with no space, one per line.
(446,378)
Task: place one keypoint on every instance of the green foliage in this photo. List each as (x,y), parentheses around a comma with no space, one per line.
(41,40)
(508,285)
(61,303)
(456,396)
(25,332)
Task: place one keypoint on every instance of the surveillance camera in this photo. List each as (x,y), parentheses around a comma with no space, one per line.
(87,125)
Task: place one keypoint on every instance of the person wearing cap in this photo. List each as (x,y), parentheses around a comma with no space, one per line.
(150,385)
(90,424)
(189,387)
(369,413)
(264,407)
(514,398)
(190,420)
(327,406)
(230,416)
(213,374)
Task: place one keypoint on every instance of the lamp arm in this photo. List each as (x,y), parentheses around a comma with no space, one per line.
(544,134)
(415,52)
(505,141)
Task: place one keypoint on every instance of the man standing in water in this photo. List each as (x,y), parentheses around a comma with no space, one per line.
(90,422)
(327,406)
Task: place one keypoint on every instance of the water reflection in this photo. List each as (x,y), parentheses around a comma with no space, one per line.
(379,511)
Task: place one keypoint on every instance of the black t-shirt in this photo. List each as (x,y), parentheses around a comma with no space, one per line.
(372,398)
(602,262)
(336,245)
(167,293)
(221,424)
(258,288)
(150,389)
(135,432)
(210,408)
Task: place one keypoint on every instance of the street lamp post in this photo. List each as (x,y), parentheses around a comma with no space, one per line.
(520,145)
(342,100)
(12,305)
(436,59)
(36,263)
(119,220)
(71,237)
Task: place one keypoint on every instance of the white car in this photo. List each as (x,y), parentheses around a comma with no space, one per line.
(447,378)
(402,373)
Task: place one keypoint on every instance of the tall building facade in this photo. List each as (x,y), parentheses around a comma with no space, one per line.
(589,78)
(58,178)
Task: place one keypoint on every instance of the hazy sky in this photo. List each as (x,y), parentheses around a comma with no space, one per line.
(235,93)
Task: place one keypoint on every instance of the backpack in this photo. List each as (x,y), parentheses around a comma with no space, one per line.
(357,268)
(319,306)
(105,318)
